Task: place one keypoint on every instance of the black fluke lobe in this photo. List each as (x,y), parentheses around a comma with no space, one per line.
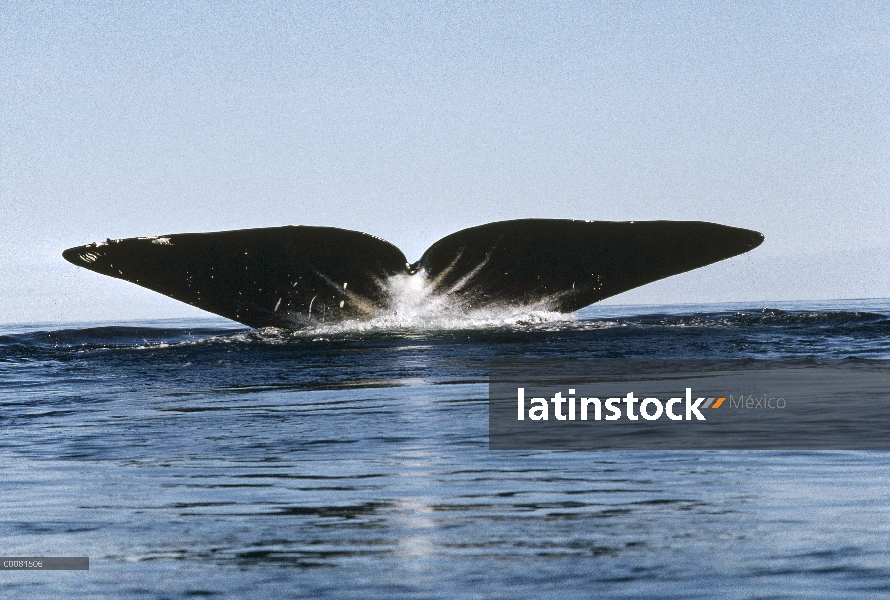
(565,265)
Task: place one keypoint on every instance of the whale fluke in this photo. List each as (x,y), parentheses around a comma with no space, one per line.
(299,275)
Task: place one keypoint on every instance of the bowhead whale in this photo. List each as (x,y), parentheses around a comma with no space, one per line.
(294,276)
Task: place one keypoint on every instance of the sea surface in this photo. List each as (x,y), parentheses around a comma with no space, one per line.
(197,458)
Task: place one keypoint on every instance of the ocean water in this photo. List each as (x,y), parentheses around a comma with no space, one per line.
(201,459)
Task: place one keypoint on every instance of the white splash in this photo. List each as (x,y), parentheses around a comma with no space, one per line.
(414,306)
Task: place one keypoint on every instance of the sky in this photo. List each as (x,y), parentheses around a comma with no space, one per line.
(412,120)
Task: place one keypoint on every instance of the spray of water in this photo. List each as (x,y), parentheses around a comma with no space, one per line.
(413,305)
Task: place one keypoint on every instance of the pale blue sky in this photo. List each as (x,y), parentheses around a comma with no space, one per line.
(410,121)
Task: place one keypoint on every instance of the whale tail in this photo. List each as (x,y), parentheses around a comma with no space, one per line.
(294,276)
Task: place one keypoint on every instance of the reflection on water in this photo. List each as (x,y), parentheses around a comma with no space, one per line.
(202,460)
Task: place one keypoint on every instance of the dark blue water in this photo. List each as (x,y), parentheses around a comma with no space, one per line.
(200,459)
